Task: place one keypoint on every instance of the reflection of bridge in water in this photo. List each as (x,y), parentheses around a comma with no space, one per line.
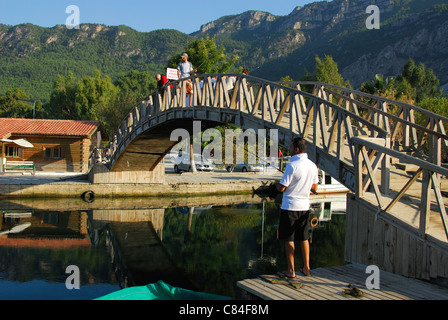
(133,229)
(135,237)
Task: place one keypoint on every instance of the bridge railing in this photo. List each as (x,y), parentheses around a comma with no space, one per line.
(323,123)
(412,129)
(328,117)
(428,173)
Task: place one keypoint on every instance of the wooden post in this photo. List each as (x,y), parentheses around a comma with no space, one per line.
(192,164)
(385,170)
(3,157)
(183,95)
(233,101)
(425,204)
(241,83)
(158,103)
(358,172)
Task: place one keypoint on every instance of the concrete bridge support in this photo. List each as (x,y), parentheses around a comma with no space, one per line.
(102,175)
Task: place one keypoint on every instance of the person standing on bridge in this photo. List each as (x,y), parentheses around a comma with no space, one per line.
(230,82)
(300,177)
(185,70)
(162,80)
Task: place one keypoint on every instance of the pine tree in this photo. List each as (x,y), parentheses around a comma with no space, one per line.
(205,56)
(13,104)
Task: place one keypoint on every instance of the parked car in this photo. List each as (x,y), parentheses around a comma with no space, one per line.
(171,155)
(182,163)
(244,167)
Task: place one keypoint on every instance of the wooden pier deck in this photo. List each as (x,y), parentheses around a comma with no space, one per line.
(329,284)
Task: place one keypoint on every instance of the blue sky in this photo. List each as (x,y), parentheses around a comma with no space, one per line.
(182,15)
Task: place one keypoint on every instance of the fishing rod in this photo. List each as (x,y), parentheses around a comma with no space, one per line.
(255,69)
(265,162)
(197,68)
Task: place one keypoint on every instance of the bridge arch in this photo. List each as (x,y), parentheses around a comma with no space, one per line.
(328,118)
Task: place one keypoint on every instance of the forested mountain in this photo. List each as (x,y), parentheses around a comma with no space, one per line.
(274,46)
(31,57)
(271,46)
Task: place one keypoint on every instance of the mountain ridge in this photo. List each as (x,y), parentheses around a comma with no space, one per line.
(270,46)
(337,28)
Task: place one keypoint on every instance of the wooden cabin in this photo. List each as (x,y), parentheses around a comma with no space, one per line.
(58,145)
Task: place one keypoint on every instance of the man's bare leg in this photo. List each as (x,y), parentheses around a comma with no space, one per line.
(290,250)
(305,248)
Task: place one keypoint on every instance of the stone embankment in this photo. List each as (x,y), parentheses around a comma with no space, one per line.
(73,186)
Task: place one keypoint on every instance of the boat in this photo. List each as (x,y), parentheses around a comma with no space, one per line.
(328,184)
(324,206)
(17,229)
(159,291)
(17,215)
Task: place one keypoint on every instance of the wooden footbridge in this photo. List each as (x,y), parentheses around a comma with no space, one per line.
(388,153)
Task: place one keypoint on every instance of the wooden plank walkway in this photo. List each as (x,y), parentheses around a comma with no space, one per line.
(330,282)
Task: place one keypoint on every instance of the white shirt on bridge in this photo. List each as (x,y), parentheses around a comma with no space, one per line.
(300,174)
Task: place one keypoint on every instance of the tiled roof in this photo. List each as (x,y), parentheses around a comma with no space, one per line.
(45,127)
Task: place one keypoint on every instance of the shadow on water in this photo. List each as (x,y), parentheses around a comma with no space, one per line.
(205,244)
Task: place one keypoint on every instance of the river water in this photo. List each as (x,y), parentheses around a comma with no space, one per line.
(210,242)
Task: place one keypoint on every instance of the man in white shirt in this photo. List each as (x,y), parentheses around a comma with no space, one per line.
(299,179)
(185,70)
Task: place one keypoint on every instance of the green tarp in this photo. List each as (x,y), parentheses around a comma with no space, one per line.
(159,291)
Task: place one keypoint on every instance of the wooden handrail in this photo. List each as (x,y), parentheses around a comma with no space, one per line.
(430,180)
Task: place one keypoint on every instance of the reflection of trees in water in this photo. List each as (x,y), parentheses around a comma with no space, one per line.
(327,245)
(227,244)
(210,253)
(26,264)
